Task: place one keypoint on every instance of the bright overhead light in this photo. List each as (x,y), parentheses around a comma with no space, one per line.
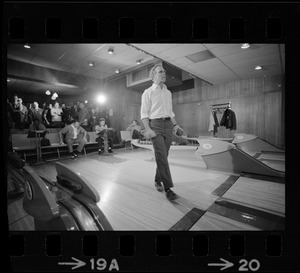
(27,46)
(111,50)
(55,95)
(48,92)
(139,61)
(8,80)
(244,46)
(117,71)
(91,64)
(86,101)
(101,99)
(258,67)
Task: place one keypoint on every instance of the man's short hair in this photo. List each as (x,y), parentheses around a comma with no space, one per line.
(151,73)
(75,119)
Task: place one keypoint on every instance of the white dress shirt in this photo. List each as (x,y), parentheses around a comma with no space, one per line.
(75,131)
(156,103)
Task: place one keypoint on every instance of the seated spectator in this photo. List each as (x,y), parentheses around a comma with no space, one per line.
(56,114)
(103,132)
(37,126)
(135,130)
(74,133)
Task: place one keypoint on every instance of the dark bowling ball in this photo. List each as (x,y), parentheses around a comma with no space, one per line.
(179,132)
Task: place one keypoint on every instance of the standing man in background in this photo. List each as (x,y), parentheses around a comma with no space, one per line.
(159,122)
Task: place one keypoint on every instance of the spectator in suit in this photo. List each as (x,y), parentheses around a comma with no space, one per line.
(135,130)
(35,113)
(74,133)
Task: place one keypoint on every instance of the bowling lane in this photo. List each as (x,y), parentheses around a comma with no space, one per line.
(212,221)
(273,160)
(259,194)
(126,187)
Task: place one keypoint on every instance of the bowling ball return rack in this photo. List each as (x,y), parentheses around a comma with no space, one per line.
(70,203)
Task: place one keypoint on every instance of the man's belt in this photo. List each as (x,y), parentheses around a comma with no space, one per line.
(166,118)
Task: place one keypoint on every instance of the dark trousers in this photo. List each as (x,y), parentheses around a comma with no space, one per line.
(80,140)
(161,144)
(136,135)
(100,142)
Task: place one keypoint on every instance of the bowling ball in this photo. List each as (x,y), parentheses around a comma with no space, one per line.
(179,132)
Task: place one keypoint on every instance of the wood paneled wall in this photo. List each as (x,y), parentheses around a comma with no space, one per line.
(257,103)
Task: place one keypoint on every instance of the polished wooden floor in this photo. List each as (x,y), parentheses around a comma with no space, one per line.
(128,198)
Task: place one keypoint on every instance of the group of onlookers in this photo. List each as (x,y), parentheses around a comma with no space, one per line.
(54,115)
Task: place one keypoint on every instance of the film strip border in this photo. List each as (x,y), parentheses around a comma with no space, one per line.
(158,23)
(146,251)
(144,22)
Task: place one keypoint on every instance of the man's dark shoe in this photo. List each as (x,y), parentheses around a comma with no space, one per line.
(159,186)
(171,195)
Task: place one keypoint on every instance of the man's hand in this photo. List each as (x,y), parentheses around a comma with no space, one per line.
(149,133)
(178,130)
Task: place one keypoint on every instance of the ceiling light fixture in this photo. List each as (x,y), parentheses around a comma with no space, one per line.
(27,46)
(91,64)
(48,92)
(111,50)
(258,67)
(117,71)
(244,46)
(139,61)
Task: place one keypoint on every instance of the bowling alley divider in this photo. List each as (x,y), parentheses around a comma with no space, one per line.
(156,251)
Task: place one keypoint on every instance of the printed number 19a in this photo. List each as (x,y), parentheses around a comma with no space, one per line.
(253,265)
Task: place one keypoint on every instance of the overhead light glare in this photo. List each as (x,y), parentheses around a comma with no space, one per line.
(91,64)
(101,99)
(139,61)
(244,46)
(48,92)
(86,101)
(8,80)
(27,46)
(117,71)
(258,67)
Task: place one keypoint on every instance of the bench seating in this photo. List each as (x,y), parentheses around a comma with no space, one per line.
(27,146)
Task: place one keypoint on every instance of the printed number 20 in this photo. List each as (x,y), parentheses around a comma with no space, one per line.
(253,265)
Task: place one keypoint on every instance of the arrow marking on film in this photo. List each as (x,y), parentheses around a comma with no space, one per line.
(77,264)
(224,265)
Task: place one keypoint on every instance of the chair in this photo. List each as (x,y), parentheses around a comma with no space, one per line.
(126,136)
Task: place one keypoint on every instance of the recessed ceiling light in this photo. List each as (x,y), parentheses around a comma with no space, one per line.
(91,64)
(117,71)
(244,46)
(258,67)
(27,46)
(138,61)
